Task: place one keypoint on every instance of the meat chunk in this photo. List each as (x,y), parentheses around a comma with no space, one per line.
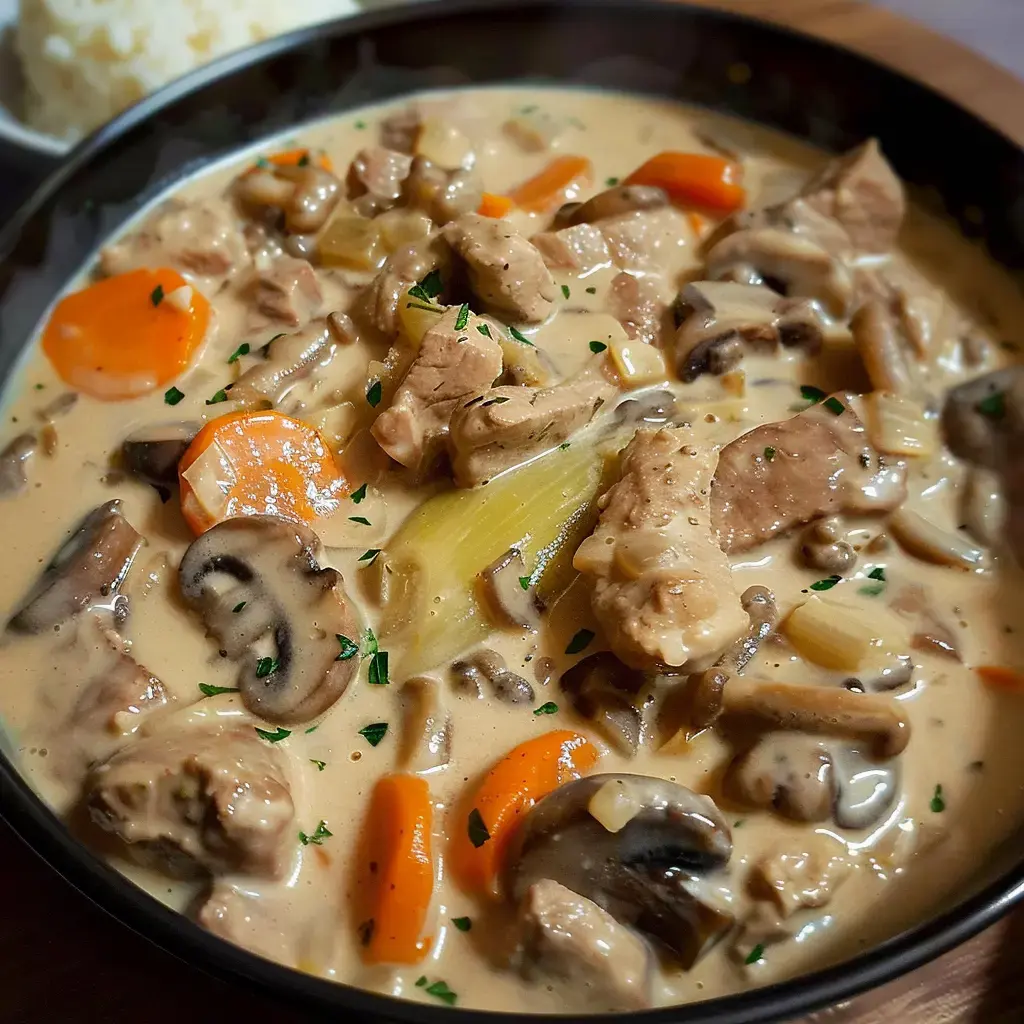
(506,272)
(646,240)
(378,305)
(781,475)
(287,291)
(805,877)
(289,359)
(861,191)
(203,238)
(399,130)
(594,963)
(198,801)
(443,194)
(581,248)
(618,201)
(662,589)
(379,172)
(453,362)
(636,304)
(505,426)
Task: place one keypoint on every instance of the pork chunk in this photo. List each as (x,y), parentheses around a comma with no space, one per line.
(635,302)
(581,248)
(203,238)
(662,589)
(506,272)
(781,475)
(287,291)
(452,363)
(594,963)
(198,801)
(800,878)
(646,240)
(379,171)
(505,426)
(378,305)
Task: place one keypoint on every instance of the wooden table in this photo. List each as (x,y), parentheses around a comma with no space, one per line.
(64,961)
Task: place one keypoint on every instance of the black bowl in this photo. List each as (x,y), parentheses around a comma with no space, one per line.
(779,78)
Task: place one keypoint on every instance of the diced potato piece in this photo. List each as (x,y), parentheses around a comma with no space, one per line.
(401,226)
(533,130)
(897,425)
(636,363)
(615,805)
(417,316)
(429,568)
(352,242)
(844,635)
(444,145)
(735,383)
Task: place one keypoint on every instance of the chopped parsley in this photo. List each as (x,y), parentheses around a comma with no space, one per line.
(265,666)
(304,160)
(358,494)
(757,953)
(871,589)
(440,990)
(429,288)
(374,732)
(811,393)
(172,396)
(938,802)
(348,648)
(156,296)
(420,305)
(378,671)
(494,401)
(276,736)
(421,981)
(462,317)
(563,446)
(478,834)
(522,339)
(374,393)
(565,291)
(238,607)
(877,573)
(312,728)
(591,290)
(369,555)
(828,583)
(610,182)
(484,330)
(360,125)
(834,406)
(39,387)
(549,708)
(369,643)
(320,765)
(209,690)
(464,924)
(769,453)
(218,397)
(597,346)
(580,641)
(524,582)
(242,350)
(994,406)
(361,520)
(322,832)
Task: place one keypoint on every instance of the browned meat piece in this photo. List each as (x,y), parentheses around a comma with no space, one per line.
(662,588)
(594,963)
(289,359)
(581,248)
(378,305)
(195,801)
(805,877)
(506,272)
(452,363)
(443,194)
(287,291)
(883,350)
(379,172)
(862,192)
(635,303)
(304,193)
(781,475)
(203,238)
(647,239)
(399,130)
(505,426)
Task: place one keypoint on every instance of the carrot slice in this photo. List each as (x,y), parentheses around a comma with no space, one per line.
(492,205)
(698,178)
(699,224)
(299,158)
(126,335)
(395,872)
(257,463)
(559,182)
(998,677)
(487,820)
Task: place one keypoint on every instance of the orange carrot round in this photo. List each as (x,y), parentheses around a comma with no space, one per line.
(257,463)
(699,179)
(486,822)
(126,335)
(299,158)
(395,872)
(492,205)
(559,182)
(998,677)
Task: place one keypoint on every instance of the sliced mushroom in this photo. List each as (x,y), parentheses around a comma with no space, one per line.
(305,194)
(485,664)
(426,740)
(289,359)
(923,539)
(823,546)
(258,585)
(983,506)
(86,571)
(865,789)
(651,873)
(656,406)
(14,460)
(152,453)
(897,671)
(614,202)
(983,420)
(603,689)
(879,344)
(506,602)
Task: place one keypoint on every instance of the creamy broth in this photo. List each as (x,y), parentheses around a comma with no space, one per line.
(956,790)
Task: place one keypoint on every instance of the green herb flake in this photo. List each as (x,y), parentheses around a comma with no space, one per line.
(494,401)
(320,765)
(478,834)
(242,350)
(464,924)
(374,393)
(440,990)
(524,582)
(317,838)
(360,125)
(429,288)
(611,182)
(565,291)
(769,453)
(549,708)
(238,607)
(370,646)
(877,573)
(597,346)
(938,801)
(274,737)
(265,666)
(739,823)
(421,981)
(871,589)
(209,690)
(374,732)
(420,305)
(348,648)
(484,330)
(369,556)
(580,641)
(304,160)
(521,338)
(262,162)
(563,446)
(361,520)
(172,396)
(218,397)
(591,290)
(156,296)
(358,494)
(994,406)
(312,728)
(827,584)
(757,953)
(39,387)
(834,406)
(462,317)
(810,393)
(377,675)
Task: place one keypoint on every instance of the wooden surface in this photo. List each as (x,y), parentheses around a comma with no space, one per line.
(63,961)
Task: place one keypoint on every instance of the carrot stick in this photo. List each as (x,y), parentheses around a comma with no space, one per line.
(492,205)
(698,178)
(257,463)
(559,182)
(486,821)
(126,335)
(299,158)
(998,677)
(395,872)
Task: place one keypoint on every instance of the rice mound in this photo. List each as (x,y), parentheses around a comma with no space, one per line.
(85,60)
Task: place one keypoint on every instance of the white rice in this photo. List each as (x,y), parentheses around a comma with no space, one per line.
(85,60)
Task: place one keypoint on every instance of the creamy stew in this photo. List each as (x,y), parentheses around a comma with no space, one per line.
(537,550)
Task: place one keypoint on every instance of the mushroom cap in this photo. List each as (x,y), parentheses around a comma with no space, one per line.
(152,453)
(650,873)
(258,584)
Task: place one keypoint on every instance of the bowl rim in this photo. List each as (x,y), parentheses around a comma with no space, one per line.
(45,833)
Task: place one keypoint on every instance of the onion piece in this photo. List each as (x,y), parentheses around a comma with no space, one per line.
(923,539)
